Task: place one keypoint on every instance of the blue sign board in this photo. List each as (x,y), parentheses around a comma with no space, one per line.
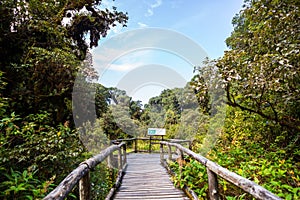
(156,131)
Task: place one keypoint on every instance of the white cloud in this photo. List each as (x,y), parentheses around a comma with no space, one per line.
(156,4)
(142,25)
(114,59)
(149,12)
(124,67)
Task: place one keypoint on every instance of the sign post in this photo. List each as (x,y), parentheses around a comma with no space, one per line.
(155,132)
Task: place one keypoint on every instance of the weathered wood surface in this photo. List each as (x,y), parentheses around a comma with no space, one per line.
(249,186)
(212,185)
(145,178)
(85,187)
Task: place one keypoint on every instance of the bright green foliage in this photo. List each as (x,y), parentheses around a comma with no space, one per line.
(23,185)
(193,176)
(178,111)
(243,149)
(30,141)
(46,157)
(102,179)
(30,145)
(118,115)
(163,110)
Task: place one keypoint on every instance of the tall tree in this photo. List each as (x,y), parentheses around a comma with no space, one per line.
(261,71)
(42,46)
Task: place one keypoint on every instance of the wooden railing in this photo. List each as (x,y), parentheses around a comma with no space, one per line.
(214,170)
(151,141)
(82,174)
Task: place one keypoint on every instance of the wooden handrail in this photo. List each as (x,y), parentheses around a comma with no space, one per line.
(135,140)
(214,170)
(81,174)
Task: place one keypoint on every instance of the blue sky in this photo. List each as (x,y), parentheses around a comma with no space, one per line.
(205,22)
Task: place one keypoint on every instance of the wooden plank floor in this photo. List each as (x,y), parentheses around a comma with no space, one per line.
(146,178)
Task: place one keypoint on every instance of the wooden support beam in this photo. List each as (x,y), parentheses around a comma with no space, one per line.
(180,161)
(124,156)
(120,162)
(110,161)
(85,187)
(150,144)
(136,145)
(169,152)
(161,153)
(212,185)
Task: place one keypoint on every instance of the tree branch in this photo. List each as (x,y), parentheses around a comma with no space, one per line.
(284,121)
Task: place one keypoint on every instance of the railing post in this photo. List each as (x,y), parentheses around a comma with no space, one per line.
(110,162)
(169,152)
(150,143)
(135,145)
(180,161)
(124,154)
(212,185)
(161,153)
(120,163)
(85,187)
(180,154)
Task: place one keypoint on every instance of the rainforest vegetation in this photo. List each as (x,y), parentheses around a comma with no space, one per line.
(241,110)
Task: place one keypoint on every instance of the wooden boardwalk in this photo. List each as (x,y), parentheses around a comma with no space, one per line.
(146,178)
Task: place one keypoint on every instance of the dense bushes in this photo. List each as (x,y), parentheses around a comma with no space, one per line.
(243,149)
(36,154)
